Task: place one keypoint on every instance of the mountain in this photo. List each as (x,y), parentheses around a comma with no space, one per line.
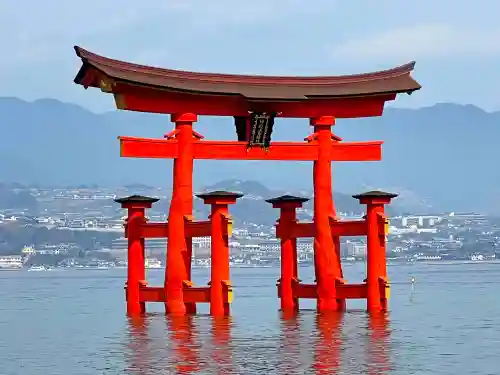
(441,157)
(257,191)
(253,207)
(12,198)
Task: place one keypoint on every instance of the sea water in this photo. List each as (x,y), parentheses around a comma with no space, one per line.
(73,323)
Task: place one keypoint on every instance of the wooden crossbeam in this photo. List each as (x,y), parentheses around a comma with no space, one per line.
(297,230)
(344,291)
(191,294)
(338,228)
(192,228)
(132,147)
(145,99)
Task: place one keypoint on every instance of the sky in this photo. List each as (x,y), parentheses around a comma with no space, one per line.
(456,43)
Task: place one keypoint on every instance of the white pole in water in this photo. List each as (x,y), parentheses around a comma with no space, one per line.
(412,280)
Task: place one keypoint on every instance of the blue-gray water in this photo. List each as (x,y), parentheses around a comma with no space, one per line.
(73,323)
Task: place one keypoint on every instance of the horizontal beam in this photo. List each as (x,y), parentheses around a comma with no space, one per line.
(344,291)
(356,151)
(352,291)
(227,150)
(192,229)
(190,294)
(141,99)
(295,230)
(133,147)
(338,228)
(349,228)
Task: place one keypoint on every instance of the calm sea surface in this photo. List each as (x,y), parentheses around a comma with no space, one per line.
(73,323)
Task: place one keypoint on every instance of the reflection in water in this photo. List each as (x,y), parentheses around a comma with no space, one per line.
(291,345)
(138,345)
(178,346)
(67,335)
(221,353)
(378,347)
(183,333)
(328,345)
(202,344)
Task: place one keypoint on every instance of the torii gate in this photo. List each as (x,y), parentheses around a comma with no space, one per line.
(254,102)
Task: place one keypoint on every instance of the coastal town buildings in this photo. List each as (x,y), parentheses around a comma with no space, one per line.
(74,224)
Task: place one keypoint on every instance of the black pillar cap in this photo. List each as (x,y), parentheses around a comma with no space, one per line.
(136,199)
(219,194)
(375,194)
(287,198)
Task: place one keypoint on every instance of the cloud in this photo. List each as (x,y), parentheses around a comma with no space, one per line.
(421,42)
(38,35)
(63,20)
(221,13)
(52,18)
(53,25)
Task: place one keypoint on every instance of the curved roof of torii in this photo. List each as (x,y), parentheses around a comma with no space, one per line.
(257,87)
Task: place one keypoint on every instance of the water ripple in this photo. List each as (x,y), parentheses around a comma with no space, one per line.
(74,323)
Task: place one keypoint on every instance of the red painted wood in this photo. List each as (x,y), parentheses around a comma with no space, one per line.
(344,291)
(191,294)
(228,150)
(135,257)
(349,228)
(155,101)
(202,294)
(338,228)
(219,255)
(289,269)
(192,229)
(134,147)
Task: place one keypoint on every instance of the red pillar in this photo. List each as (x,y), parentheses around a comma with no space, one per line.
(289,268)
(220,284)
(336,240)
(326,259)
(136,206)
(181,207)
(143,259)
(376,277)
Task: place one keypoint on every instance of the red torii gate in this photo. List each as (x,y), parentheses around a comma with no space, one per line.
(254,102)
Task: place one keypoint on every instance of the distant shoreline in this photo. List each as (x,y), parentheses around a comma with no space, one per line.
(390,263)
(449,262)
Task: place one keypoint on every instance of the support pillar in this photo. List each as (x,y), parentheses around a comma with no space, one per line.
(181,208)
(376,273)
(289,268)
(326,257)
(136,206)
(220,284)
